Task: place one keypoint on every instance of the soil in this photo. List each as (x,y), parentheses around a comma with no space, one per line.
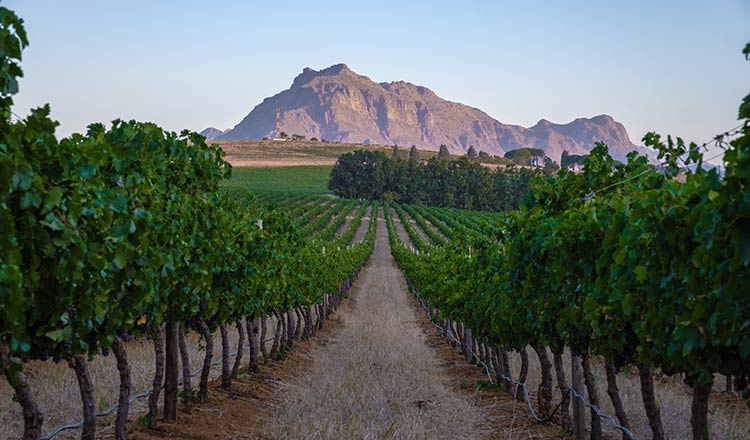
(241,413)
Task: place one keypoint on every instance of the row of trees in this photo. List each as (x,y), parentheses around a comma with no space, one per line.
(622,261)
(123,232)
(439,181)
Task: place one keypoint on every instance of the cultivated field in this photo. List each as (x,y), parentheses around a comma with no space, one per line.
(254,153)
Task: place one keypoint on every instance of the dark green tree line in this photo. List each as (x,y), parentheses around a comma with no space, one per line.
(460,183)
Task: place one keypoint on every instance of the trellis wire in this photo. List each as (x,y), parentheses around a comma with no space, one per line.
(135,398)
(523,386)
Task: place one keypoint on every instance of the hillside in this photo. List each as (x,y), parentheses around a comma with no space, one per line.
(253,153)
(338,104)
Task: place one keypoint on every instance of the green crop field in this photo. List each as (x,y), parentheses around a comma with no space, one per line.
(300,179)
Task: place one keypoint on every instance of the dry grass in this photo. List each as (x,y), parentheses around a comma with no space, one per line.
(56,391)
(729,418)
(254,153)
(377,378)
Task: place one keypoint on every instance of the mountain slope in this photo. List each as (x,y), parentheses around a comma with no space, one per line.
(212,133)
(338,104)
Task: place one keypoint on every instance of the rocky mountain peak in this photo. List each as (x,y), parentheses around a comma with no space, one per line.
(338,104)
(308,74)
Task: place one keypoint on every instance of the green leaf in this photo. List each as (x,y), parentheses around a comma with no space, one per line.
(60,334)
(121,258)
(87,171)
(640,273)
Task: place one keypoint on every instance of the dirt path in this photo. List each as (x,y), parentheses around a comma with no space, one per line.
(359,236)
(377,377)
(348,220)
(422,234)
(400,230)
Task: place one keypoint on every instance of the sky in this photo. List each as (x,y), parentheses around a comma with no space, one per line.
(668,66)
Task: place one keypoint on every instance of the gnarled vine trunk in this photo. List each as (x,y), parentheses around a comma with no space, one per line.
(171,371)
(649,402)
(209,341)
(240,348)
(588,379)
(226,370)
(276,336)
(123,400)
(290,329)
(86,387)
(699,411)
(298,330)
(32,416)
(544,392)
(506,367)
(567,422)
(262,341)
(252,337)
(187,385)
(522,375)
(153,399)
(321,315)
(614,395)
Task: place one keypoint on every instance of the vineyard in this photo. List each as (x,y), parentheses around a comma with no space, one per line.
(651,275)
(142,245)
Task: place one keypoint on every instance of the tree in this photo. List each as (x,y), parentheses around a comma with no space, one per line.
(414,153)
(471,152)
(521,156)
(551,164)
(537,157)
(283,135)
(443,153)
(359,174)
(526,156)
(394,151)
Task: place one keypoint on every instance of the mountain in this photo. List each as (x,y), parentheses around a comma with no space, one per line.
(212,133)
(338,104)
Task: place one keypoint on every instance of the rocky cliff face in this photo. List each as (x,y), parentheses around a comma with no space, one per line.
(338,104)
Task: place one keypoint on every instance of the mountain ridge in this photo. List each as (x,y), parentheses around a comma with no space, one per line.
(339,104)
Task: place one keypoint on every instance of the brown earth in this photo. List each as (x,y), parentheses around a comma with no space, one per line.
(258,153)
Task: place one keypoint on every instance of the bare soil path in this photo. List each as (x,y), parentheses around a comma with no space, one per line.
(359,236)
(376,378)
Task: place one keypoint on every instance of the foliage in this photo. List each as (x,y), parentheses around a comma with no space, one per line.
(123,229)
(654,271)
(443,152)
(461,183)
(526,156)
(568,160)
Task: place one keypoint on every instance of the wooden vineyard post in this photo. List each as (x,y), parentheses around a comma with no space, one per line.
(579,411)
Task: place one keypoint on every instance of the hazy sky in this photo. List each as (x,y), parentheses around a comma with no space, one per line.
(671,66)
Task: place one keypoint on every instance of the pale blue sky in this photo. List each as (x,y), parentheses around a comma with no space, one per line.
(671,66)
